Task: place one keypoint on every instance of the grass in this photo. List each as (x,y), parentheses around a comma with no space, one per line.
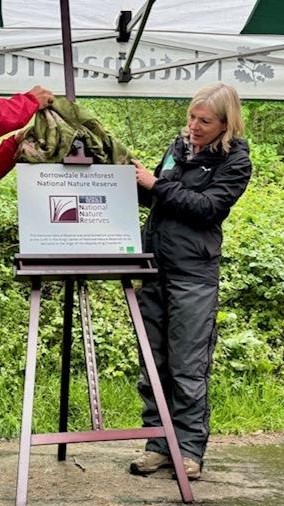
(236,408)
(120,405)
(250,405)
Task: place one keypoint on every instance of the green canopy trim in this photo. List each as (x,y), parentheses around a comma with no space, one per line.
(267,17)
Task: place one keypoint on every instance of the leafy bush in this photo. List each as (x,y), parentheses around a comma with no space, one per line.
(252,283)
(264,123)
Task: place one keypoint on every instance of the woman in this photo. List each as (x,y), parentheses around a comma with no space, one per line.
(15,113)
(202,174)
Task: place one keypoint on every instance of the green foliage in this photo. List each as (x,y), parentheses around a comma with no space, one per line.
(264,123)
(247,405)
(114,336)
(252,281)
(267,164)
(120,404)
(144,125)
(250,318)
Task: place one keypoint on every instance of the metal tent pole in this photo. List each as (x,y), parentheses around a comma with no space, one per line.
(67,50)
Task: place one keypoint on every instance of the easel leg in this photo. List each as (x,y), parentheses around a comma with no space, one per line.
(90,357)
(66,358)
(157,391)
(25,440)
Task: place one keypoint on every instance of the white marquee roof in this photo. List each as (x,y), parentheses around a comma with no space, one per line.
(183,45)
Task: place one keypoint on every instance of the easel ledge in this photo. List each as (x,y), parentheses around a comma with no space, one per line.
(107,266)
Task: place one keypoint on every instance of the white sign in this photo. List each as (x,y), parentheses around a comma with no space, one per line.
(78,209)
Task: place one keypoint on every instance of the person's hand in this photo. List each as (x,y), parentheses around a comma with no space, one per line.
(143,176)
(43,96)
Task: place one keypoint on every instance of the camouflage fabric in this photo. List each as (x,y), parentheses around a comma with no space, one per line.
(56,128)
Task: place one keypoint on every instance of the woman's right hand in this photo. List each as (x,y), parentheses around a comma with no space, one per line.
(143,176)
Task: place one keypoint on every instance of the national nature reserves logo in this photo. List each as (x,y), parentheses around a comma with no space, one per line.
(63,208)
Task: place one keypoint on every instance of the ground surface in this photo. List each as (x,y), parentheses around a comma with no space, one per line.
(239,471)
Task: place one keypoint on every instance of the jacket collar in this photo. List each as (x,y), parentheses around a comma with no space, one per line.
(183,154)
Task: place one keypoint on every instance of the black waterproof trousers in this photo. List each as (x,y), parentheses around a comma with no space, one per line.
(179,315)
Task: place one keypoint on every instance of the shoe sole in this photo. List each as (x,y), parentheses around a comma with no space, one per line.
(190,477)
(134,469)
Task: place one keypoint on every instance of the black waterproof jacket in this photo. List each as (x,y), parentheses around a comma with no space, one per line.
(189,202)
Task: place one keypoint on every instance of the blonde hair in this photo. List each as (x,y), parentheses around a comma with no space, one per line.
(225,102)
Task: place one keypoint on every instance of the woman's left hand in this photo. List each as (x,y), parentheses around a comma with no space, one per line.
(143,176)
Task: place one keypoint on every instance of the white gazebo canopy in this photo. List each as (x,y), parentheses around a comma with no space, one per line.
(157,49)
